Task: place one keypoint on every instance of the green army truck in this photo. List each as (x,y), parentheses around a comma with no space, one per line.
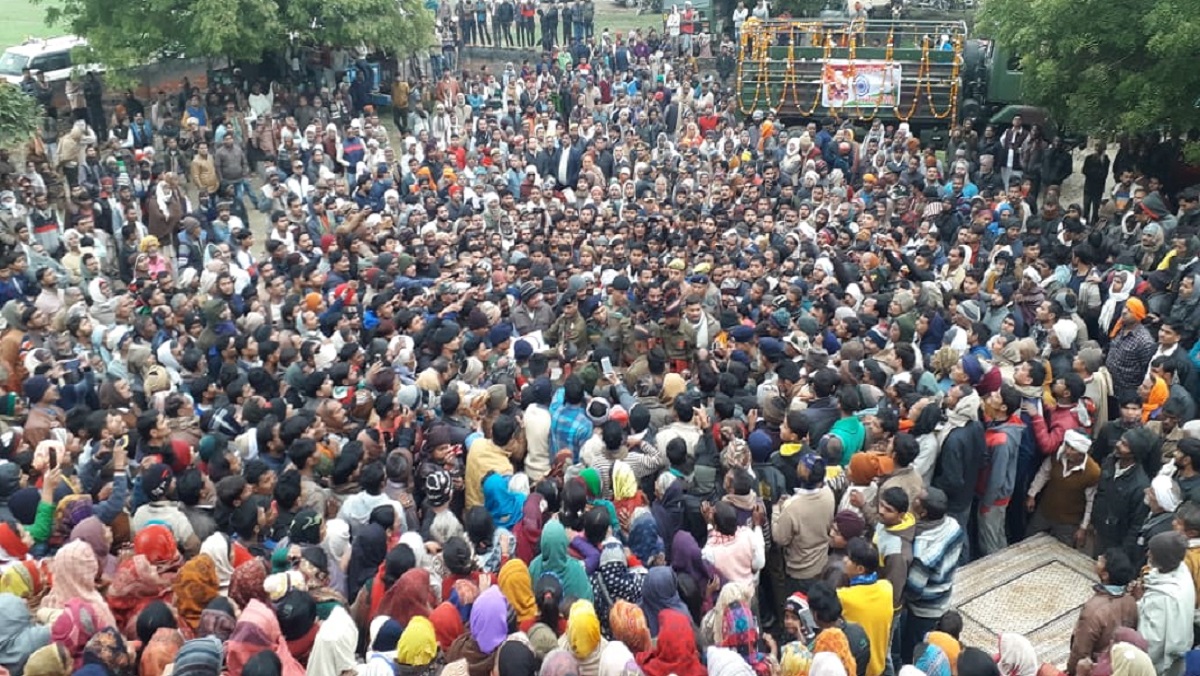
(930,74)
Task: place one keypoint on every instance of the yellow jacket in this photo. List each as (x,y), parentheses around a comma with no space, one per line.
(870,605)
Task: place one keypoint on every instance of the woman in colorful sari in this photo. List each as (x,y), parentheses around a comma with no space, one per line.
(257,630)
(196,585)
(675,651)
(74,574)
(487,630)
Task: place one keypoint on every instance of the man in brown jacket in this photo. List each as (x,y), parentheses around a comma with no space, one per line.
(800,526)
(204,171)
(1109,608)
(166,207)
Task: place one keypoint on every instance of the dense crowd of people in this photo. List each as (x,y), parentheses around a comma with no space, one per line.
(579,370)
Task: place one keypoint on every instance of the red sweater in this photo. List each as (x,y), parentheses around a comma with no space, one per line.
(1049,436)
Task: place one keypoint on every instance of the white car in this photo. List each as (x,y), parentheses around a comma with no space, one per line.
(51,56)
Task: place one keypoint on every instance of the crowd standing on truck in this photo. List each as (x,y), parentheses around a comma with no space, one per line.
(722,394)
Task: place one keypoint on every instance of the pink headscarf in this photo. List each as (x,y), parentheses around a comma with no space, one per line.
(257,630)
(74,571)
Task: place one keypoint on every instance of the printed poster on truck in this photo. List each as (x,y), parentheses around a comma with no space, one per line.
(859,84)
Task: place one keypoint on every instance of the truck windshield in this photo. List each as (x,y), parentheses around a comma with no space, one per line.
(12,64)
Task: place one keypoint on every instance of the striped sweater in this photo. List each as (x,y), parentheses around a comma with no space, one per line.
(936,550)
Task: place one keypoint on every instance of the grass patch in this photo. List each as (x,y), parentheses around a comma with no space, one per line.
(622,20)
(24,19)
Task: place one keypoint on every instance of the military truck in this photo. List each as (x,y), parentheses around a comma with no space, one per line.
(930,74)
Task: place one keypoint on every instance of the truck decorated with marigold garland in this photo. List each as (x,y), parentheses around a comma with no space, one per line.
(930,74)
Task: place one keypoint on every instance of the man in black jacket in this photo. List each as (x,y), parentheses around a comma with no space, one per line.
(1120,505)
(961,458)
(1095,175)
(823,412)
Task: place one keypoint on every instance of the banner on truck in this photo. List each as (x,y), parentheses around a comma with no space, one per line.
(860,84)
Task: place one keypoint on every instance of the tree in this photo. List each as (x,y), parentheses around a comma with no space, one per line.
(19,115)
(126,35)
(1103,66)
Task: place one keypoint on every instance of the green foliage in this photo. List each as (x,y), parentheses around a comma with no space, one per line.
(1105,65)
(126,36)
(799,8)
(19,115)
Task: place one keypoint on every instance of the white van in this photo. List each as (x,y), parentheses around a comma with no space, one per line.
(51,56)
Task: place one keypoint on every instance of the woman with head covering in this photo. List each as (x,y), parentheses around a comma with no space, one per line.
(740,634)
(554,559)
(826,664)
(417,649)
(1017,657)
(337,545)
(217,619)
(487,630)
(694,574)
(528,531)
(196,585)
(628,624)
(77,623)
(19,634)
(333,651)
(795,659)
(645,540)
(217,547)
(833,640)
(68,513)
(504,504)
(627,497)
(423,558)
(51,660)
(558,662)
(668,508)
(109,651)
(447,624)
(99,537)
(258,630)
(367,550)
(613,580)
(27,580)
(725,662)
(410,597)
(675,651)
(617,660)
(314,566)
(160,652)
(246,582)
(517,586)
(712,627)
(1129,660)
(74,574)
(660,592)
(583,638)
(137,584)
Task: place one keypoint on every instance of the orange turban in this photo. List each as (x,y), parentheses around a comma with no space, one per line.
(864,467)
(312,301)
(1159,392)
(1136,308)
